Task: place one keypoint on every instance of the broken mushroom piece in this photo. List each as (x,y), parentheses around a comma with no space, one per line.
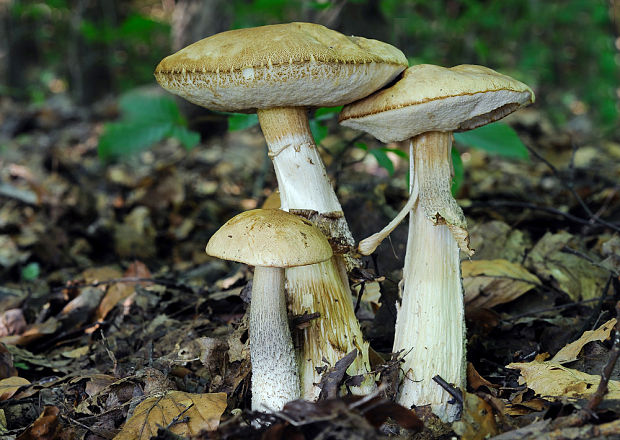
(426,105)
(270,240)
(280,71)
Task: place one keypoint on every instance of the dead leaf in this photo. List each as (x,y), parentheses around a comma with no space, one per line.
(571,351)
(7,369)
(571,273)
(10,385)
(12,322)
(477,422)
(475,381)
(45,427)
(77,352)
(33,333)
(119,291)
(552,379)
(488,283)
(204,413)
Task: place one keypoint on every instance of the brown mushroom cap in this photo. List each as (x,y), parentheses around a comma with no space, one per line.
(282,65)
(433,98)
(269,237)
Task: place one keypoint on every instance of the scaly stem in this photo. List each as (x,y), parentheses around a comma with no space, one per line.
(304,186)
(275,379)
(317,288)
(430,324)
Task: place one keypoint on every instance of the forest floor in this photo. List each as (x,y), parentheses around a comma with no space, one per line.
(114,321)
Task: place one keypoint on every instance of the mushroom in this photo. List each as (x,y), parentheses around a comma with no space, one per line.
(270,240)
(280,71)
(426,105)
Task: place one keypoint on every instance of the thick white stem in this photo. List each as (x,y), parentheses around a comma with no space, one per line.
(301,175)
(317,288)
(275,379)
(430,326)
(322,288)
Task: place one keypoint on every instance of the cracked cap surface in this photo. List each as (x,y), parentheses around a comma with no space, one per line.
(292,64)
(269,237)
(433,98)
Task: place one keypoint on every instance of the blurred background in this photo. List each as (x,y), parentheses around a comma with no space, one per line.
(86,50)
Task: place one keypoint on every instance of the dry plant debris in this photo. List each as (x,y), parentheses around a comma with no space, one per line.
(126,321)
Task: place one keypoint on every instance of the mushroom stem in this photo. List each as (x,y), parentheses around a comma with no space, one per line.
(275,380)
(430,322)
(304,186)
(337,327)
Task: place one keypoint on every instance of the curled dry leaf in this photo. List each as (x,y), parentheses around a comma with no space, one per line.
(551,379)
(193,413)
(45,427)
(488,283)
(119,291)
(571,351)
(10,385)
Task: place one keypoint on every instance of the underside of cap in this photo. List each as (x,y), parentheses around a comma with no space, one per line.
(269,237)
(433,98)
(294,64)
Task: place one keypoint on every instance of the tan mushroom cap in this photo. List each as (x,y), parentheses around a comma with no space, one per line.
(269,237)
(433,98)
(282,65)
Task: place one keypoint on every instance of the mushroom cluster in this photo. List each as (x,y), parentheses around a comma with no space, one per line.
(280,72)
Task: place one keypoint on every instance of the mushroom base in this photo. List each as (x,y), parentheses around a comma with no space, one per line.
(430,329)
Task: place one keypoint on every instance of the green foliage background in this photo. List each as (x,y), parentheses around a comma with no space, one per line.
(565,49)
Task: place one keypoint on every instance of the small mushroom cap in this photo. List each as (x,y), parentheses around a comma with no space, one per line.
(282,65)
(269,237)
(433,98)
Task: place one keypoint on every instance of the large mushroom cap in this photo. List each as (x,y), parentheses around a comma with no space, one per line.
(282,65)
(433,98)
(269,237)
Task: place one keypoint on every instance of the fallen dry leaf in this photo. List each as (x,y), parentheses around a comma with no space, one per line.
(571,351)
(571,273)
(45,427)
(10,385)
(488,283)
(551,379)
(477,422)
(156,411)
(119,291)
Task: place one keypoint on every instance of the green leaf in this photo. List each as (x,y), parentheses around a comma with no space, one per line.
(31,271)
(497,138)
(383,159)
(323,113)
(241,121)
(189,139)
(459,171)
(124,138)
(140,107)
(319,130)
(397,152)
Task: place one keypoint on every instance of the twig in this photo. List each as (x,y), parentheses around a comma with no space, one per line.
(569,186)
(454,392)
(552,309)
(177,419)
(527,205)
